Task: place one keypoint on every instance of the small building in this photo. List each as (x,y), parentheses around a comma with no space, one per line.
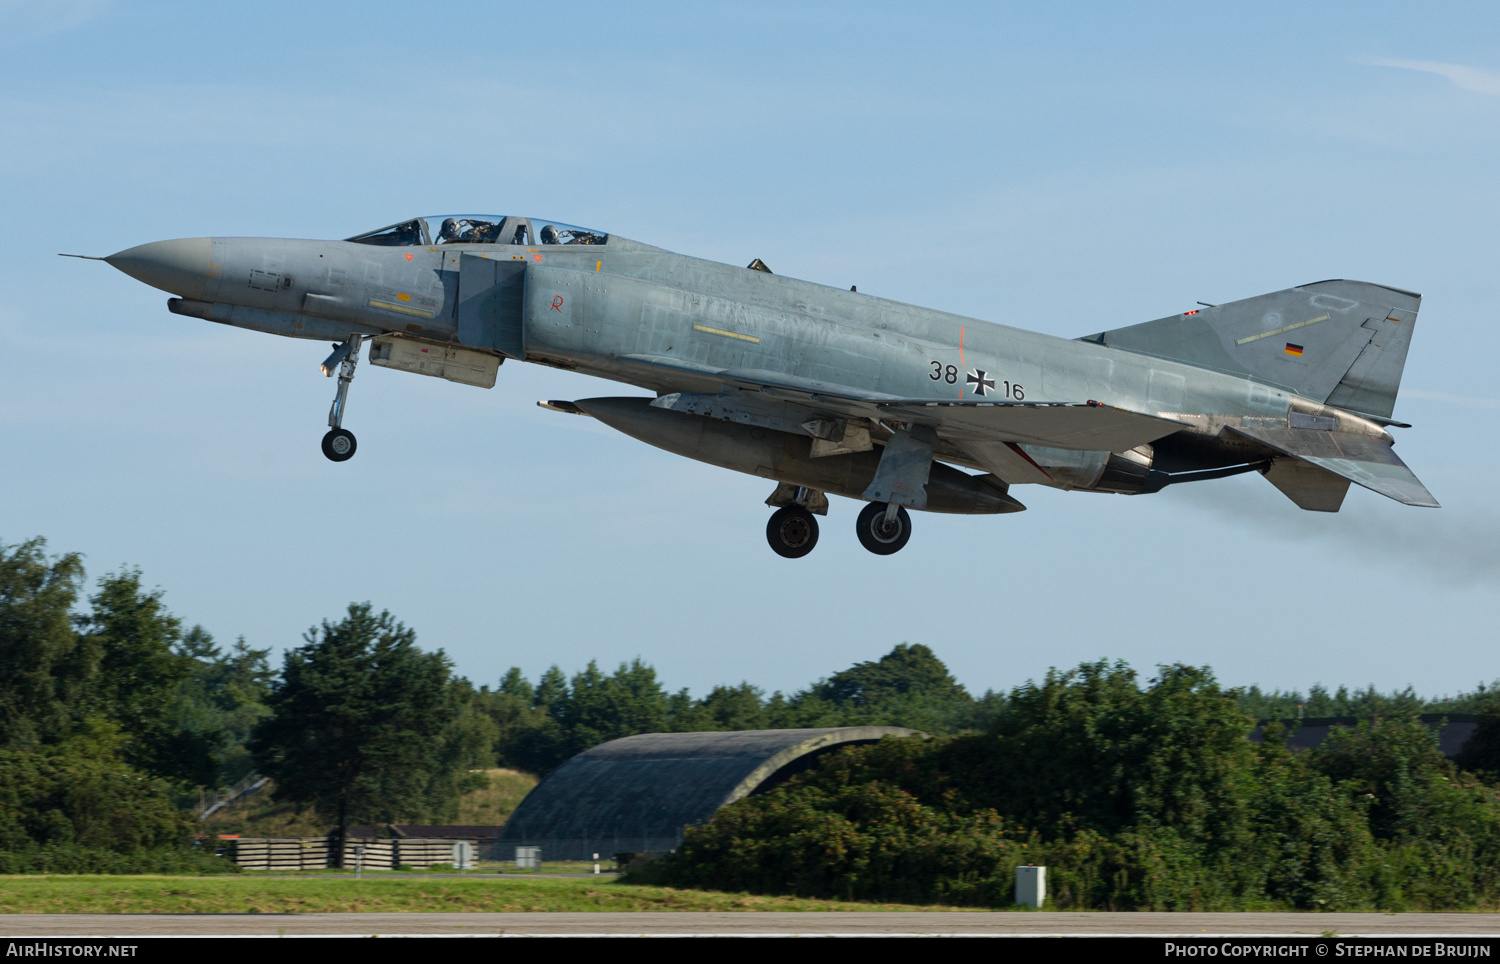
(637,794)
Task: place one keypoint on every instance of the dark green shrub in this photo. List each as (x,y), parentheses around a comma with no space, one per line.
(1148,798)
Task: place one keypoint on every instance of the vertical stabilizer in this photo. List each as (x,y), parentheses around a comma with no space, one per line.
(1340,342)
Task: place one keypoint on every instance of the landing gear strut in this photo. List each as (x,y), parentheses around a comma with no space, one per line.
(339,444)
(883,528)
(792,532)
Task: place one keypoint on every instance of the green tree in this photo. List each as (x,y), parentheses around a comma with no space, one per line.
(739,707)
(1395,764)
(599,708)
(511,707)
(136,676)
(1134,797)
(223,698)
(360,724)
(80,792)
(531,739)
(909,686)
(541,726)
(472,735)
(42,671)
(1091,748)
(91,756)
(906,671)
(1319,702)
(1481,752)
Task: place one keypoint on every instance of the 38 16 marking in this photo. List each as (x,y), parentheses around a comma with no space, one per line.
(981,381)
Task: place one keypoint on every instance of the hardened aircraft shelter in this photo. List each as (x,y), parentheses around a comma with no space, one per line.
(636,794)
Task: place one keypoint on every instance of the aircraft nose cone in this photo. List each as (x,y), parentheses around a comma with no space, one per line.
(180,266)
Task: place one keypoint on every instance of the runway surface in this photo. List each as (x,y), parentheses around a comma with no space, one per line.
(749,923)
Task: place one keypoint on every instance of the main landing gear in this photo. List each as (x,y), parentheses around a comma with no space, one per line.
(883,528)
(792,530)
(339,443)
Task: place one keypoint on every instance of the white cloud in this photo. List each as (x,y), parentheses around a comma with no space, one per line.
(1465,78)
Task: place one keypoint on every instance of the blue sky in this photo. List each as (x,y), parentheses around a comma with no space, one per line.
(1061,167)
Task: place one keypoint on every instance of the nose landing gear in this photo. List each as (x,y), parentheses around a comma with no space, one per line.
(339,443)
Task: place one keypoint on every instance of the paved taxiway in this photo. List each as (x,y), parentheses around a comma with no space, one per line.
(748,923)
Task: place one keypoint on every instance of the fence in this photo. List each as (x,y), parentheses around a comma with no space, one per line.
(315,853)
(584,848)
(281,853)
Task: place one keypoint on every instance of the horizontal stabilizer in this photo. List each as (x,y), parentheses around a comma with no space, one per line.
(1361,459)
(1310,487)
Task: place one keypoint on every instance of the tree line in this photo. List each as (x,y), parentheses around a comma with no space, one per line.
(113,716)
(1135,797)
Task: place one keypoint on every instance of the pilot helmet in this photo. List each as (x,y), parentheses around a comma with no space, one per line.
(549,235)
(449,230)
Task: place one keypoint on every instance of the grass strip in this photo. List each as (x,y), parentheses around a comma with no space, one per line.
(313,895)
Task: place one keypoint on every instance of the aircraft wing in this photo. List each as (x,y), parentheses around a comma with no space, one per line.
(1090,427)
(1367,461)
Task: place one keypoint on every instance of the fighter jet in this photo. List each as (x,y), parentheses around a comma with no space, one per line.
(825,391)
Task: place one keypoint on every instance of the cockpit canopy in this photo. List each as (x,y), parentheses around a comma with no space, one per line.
(479,229)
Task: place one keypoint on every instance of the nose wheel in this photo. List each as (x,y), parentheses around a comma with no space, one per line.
(792,532)
(339,444)
(881,530)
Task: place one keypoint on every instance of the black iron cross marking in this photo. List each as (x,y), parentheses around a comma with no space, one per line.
(980,383)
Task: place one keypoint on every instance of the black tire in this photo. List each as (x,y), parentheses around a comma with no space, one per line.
(339,445)
(792,532)
(875,536)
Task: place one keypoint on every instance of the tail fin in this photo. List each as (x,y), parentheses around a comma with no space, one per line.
(1339,342)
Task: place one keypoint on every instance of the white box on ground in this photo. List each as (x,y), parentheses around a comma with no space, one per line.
(463,855)
(1031,885)
(529,857)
